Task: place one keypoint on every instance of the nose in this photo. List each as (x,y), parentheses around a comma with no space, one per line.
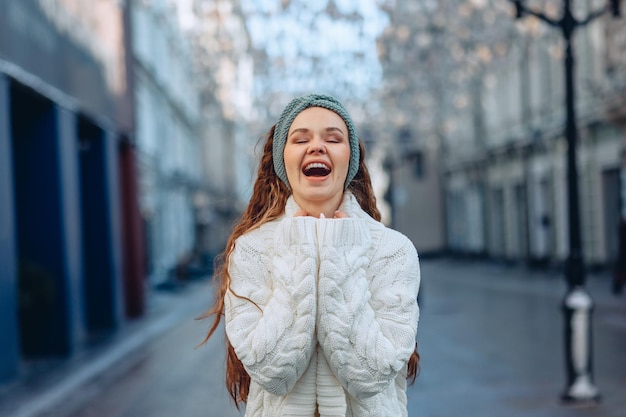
(317,145)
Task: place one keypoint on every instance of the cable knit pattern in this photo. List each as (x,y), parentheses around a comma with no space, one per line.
(335,318)
(369,349)
(274,339)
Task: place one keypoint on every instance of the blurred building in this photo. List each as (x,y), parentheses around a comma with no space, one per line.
(193,92)
(70,247)
(414,191)
(229,152)
(409,130)
(505,173)
(124,159)
(168,137)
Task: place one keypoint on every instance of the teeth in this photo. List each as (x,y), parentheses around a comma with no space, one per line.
(316,165)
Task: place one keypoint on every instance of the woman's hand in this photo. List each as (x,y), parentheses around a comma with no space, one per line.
(338,214)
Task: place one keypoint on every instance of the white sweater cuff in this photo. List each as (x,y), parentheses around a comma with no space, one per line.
(342,232)
(295,231)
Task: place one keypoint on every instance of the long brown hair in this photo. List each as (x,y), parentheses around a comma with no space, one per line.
(267,203)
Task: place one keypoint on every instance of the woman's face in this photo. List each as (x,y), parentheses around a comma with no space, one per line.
(317,155)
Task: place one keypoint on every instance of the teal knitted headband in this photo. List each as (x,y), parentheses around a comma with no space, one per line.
(292,110)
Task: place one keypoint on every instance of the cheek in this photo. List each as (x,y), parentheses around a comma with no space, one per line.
(292,164)
(344,159)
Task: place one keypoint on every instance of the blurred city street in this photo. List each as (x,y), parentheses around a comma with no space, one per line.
(131,131)
(490,340)
(130,134)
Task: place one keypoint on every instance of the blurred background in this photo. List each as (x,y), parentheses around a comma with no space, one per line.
(130,132)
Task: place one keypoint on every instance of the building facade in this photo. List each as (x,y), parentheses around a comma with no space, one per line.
(168,137)
(229,135)
(506,193)
(69,254)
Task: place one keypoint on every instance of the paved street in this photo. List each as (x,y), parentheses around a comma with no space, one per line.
(172,379)
(490,338)
(492,346)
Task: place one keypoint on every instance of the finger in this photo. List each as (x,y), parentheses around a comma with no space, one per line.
(300,213)
(340,215)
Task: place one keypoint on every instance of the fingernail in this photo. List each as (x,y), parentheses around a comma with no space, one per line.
(322,216)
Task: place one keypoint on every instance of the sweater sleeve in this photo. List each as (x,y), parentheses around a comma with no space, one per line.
(367,308)
(270,307)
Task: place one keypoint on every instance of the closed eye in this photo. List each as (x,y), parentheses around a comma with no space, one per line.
(335,137)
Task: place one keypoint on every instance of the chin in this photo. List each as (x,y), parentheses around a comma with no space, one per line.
(322,196)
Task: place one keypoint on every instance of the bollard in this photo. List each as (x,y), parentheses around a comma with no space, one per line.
(577,308)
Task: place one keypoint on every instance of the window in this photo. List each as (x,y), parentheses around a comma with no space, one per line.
(416,158)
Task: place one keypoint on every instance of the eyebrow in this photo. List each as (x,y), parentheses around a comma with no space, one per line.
(328,129)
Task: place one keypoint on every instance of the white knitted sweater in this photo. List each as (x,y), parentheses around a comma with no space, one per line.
(335,318)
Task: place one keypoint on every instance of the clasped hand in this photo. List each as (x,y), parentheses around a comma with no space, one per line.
(338,215)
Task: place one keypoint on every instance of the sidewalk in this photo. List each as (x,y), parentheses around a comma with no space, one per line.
(48,385)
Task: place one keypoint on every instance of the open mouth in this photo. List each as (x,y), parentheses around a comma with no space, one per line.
(316,169)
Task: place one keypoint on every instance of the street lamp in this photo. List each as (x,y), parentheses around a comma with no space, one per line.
(577,304)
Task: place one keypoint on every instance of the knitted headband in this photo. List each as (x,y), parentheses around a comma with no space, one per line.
(292,110)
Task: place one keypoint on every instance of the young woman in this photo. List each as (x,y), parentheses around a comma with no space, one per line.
(319,297)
